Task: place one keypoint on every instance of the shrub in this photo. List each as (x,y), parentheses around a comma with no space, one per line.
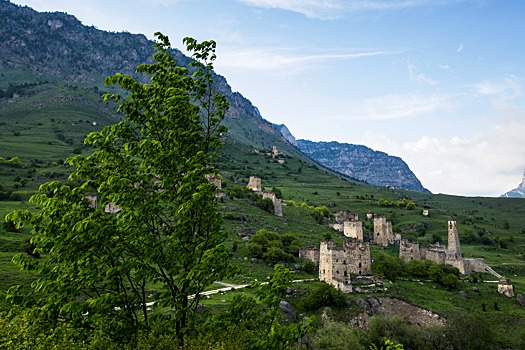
(322,295)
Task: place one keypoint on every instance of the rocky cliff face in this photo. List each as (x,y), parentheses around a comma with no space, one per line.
(56,46)
(363,163)
(518,192)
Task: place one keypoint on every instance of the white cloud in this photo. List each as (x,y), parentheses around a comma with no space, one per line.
(395,106)
(332,9)
(510,88)
(444,66)
(488,164)
(283,59)
(419,77)
(461,47)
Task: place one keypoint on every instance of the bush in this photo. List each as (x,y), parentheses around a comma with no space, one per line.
(310,267)
(272,247)
(322,295)
(389,266)
(265,204)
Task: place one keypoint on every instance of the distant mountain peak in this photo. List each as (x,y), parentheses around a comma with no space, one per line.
(518,192)
(360,162)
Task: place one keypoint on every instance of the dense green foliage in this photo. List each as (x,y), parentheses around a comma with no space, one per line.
(100,267)
(272,247)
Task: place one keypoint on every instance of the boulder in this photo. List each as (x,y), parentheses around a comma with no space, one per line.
(374,304)
(245,232)
(288,310)
(363,304)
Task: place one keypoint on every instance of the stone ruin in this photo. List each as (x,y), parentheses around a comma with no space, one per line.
(342,220)
(505,287)
(441,254)
(409,250)
(255,185)
(92,200)
(310,253)
(337,264)
(383,233)
(353,230)
(216,180)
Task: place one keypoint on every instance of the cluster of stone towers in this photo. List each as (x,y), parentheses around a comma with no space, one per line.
(338,264)
(440,254)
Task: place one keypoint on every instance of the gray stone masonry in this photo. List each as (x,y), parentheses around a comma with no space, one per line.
(337,264)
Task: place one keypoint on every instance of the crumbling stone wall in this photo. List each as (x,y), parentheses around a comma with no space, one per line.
(505,287)
(434,252)
(344,215)
(310,253)
(216,180)
(337,227)
(441,255)
(277,205)
(409,250)
(92,200)
(255,185)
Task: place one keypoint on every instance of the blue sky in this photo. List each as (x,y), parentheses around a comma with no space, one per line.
(436,82)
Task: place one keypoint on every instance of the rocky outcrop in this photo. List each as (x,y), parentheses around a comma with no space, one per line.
(286,133)
(362,163)
(518,192)
(57,46)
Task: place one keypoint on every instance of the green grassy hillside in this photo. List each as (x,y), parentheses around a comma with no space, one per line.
(46,122)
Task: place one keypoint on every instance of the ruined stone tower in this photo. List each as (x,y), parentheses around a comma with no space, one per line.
(336,264)
(454,250)
(353,229)
(277,205)
(380,231)
(255,184)
(409,250)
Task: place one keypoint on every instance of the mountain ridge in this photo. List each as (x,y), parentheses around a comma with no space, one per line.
(56,46)
(357,161)
(518,192)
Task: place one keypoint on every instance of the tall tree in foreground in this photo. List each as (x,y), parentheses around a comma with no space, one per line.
(163,231)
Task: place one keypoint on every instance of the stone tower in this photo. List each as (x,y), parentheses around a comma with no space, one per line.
(353,229)
(380,231)
(454,250)
(255,184)
(326,261)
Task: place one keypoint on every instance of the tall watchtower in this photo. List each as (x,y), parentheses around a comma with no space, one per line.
(454,250)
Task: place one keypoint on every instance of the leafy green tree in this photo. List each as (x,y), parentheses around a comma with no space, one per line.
(469,330)
(389,266)
(257,322)
(323,294)
(165,228)
(272,247)
(450,281)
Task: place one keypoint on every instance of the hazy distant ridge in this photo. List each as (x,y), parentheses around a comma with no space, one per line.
(360,162)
